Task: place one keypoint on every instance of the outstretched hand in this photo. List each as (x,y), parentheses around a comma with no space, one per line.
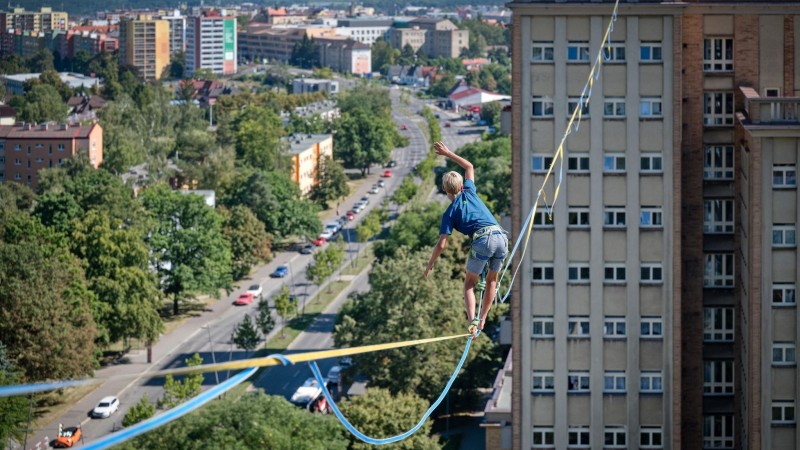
(441,149)
(427,270)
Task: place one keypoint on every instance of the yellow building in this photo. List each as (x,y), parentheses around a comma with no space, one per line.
(306,150)
(144,44)
(43,21)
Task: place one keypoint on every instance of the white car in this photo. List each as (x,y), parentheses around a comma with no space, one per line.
(374,190)
(305,395)
(334,375)
(256,290)
(106,407)
(334,226)
(327,234)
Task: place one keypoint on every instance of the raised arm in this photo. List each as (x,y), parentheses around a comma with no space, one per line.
(469,172)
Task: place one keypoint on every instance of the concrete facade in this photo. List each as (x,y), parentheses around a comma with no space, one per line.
(306,151)
(211,43)
(144,44)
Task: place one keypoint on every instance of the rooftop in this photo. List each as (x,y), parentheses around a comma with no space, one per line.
(299,143)
(45,131)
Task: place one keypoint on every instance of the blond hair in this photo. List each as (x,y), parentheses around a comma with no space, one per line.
(452,182)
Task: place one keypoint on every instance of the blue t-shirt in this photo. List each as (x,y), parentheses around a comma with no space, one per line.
(466,213)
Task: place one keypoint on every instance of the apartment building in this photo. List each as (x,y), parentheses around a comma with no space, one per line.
(177,31)
(144,44)
(310,85)
(91,39)
(43,21)
(346,55)
(211,43)
(366,31)
(26,148)
(654,311)
(275,43)
(400,37)
(435,36)
(306,150)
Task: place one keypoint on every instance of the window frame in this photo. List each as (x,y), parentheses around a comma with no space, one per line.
(651,158)
(727,272)
(651,48)
(582,50)
(615,376)
(722,64)
(786,349)
(788,235)
(614,103)
(784,170)
(579,437)
(582,273)
(649,434)
(718,377)
(650,111)
(614,163)
(651,322)
(543,219)
(573,102)
(784,408)
(617,434)
(784,289)
(719,207)
(718,162)
(545,268)
(543,321)
(579,161)
(614,217)
(579,214)
(581,324)
(655,273)
(545,159)
(617,269)
(615,322)
(546,107)
(583,382)
(719,324)
(710,438)
(655,214)
(546,437)
(611,52)
(543,377)
(718,108)
(543,46)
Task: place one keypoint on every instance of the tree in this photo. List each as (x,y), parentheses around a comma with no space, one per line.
(443,84)
(13,410)
(205,74)
(383,55)
(331,182)
(271,423)
(42,103)
(490,112)
(379,413)
(305,53)
(51,77)
(322,72)
(369,227)
(178,391)
(15,197)
(492,162)
(407,56)
(249,243)
(264,320)
(41,60)
(45,317)
(140,411)
(246,336)
(188,249)
(362,140)
(258,134)
(407,190)
(284,306)
(177,66)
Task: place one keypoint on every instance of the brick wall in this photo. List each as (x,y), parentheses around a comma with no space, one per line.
(788,56)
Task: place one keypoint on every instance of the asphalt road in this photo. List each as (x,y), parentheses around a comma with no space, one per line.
(209,333)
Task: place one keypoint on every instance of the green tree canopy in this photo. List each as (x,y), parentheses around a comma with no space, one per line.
(258,144)
(416,229)
(16,197)
(252,421)
(441,87)
(142,410)
(178,391)
(45,317)
(250,243)
(42,103)
(492,162)
(305,53)
(490,112)
(13,410)
(284,306)
(246,336)
(363,140)
(188,249)
(383,55)
(332,182)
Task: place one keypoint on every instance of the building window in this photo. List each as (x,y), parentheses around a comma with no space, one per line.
(614,328)
(17,147)
(651,163)
(783,354)
(772,92)
(651,382)
(718,324)
(718,270)
(543,327)
(579,437)
(651,273)
(614,52)
(651,437)
(718,108)
(578,327)
(578,164)
(578,51)
(614,273)
(578,217)
(17,162)
(718,377)
(543,273)
(718,216)
(578,273)
(718,55)
(783,412)
(543,382)
(543,437)
(651,328)
(650,51)
(17,176)
(650,107)
(542,52)
(614,218)
(542,107)
(718,163)
(614,107)
(614,382)
(615,437)
(718,432)
(784,176)
(578,382)
(541,163)
(614,163)
(543,219)
(572,105)
(783,295)
(650,218)
(60,147)
(783,235)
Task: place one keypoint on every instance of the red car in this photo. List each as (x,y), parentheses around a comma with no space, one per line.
(350,215)
(447,124)
(244,299)
(387,173)
(319,241)
(68,437)
(404,127)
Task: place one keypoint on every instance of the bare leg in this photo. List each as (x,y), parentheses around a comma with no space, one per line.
(488,296)
(469,294)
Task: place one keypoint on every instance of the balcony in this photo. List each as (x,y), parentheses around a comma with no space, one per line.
(778,116)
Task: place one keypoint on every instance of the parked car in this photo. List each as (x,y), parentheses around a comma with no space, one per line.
(375,189)
(256,290)
(68,437)
(364,200)
(280,271)
(391,164)
(437,115)
(351,215)
(244,299)
(358,207)
(106,407)
(306,394)
(319,241)
(307,250)
(448,124)
(334,226)
(326,234)
(387,173)
(343,221)
(334,375)
(404,127)
(381,183)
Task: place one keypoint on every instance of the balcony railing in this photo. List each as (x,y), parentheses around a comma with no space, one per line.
(770,110)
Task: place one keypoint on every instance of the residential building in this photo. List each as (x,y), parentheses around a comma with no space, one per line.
(43,21)
(306,150)
(366,31)
(307,85)
(177,31)
(85,107)
(657,304)
(344,55)
(211,43)
(436,37)
(26,148)
(265,42)
(144,44)
(400,37)
(15,84)
(91,39)
(416,76)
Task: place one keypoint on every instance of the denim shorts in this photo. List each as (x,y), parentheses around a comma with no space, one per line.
(491,248)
